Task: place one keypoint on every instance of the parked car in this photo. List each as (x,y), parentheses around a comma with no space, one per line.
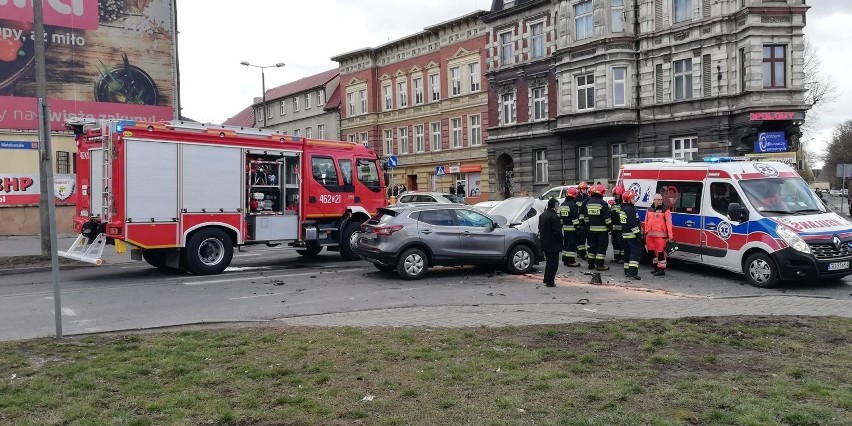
(486,205)
(409,239)
(429,197)
(558,192)
(520,212)
(834,192)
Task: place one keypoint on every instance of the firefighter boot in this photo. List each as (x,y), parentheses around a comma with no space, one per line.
(571,262)
(600,266)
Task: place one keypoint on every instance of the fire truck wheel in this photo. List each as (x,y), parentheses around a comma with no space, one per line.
(760,271)
(208,252)
(346,242)
(412,265)
(520,260)
(310,250)
(155,258)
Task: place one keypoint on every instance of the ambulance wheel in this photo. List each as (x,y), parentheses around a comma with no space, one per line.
(310,250)
(208,252)
(155,258)
(760,271)
(347,241)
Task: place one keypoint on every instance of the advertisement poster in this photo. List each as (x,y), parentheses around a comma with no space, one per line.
(104,59)
(25,189)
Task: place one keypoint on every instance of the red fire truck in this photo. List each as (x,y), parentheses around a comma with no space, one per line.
(183,195)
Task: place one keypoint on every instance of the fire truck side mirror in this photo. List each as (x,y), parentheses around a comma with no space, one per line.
(387,178)
(385,165)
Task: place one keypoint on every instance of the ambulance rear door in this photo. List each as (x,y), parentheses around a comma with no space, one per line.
(682,194)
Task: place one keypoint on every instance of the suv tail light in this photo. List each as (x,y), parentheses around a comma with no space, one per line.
(386,230)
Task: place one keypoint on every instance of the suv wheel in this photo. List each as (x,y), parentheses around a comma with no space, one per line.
(520,260)
(412,264)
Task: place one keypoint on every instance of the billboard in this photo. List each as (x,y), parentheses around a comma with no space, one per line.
(25,189)
(104,59)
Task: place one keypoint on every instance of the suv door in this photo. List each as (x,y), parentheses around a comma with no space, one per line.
(438,230)
(481,241)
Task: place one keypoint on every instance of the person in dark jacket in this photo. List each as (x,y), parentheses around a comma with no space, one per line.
(599,221)
(550,234)
(570,214)
(631,228)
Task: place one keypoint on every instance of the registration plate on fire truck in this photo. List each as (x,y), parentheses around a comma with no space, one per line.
(836,266)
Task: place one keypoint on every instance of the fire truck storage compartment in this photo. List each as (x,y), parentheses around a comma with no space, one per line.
(152,180)
(211,179)
(96,186)
(272,195)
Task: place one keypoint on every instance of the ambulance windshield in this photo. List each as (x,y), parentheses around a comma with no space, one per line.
(781,196)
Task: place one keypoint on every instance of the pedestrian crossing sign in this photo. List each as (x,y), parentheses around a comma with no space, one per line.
(439,171)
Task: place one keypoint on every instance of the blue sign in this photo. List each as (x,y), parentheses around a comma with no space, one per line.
(439,171)
(770,142)
(393,161)
(18,145)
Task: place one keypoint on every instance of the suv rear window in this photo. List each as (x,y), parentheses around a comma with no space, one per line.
(382,217)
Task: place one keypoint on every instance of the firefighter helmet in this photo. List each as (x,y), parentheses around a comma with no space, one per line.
(583,186)
(571,192)
(628,196)
(618,191)
(597,189)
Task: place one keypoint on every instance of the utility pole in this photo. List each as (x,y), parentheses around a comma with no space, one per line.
(47,201)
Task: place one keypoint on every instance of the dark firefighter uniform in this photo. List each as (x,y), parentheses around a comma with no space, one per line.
(598,220)
(617,237)
(631,229)
(570,214)
(582,234)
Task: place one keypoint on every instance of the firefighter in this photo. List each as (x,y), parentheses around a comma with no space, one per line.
(658,231)
(570,214)
(631,231)
(617,237)
(582,197)
(599,222)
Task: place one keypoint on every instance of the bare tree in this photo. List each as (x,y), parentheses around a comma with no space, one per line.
(820,87)
(838,151)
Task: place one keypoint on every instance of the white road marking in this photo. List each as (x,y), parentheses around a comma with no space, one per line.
(265,277)
(256,296)
(245,268)
(68,312)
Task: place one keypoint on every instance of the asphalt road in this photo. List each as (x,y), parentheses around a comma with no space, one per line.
(269,283)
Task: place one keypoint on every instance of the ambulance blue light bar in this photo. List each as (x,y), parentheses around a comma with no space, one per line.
(721,159)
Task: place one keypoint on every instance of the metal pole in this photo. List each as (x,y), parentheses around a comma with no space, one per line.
(263,87)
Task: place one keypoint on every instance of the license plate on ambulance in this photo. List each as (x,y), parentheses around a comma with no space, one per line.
(837,266)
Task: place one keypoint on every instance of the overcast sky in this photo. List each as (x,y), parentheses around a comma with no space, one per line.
(216,36)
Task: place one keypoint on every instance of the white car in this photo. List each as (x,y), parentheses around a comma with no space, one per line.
(486,205)
(412,197)
(520,212)
(834,192)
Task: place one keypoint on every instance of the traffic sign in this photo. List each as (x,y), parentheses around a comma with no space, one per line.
(439,171)
(393,161)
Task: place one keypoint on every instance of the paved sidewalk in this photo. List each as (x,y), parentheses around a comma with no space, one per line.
(22,246)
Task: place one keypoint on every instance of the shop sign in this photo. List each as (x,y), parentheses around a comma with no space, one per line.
(776,116)
(770,142)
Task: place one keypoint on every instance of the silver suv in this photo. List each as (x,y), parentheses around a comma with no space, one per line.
(411,238)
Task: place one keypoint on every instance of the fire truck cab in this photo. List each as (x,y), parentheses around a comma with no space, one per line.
(756,218)
(183,195)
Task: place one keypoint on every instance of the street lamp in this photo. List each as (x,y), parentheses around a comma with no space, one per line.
(263,83)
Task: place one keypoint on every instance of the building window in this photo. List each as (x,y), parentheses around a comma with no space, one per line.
(362,95)
(619,79)
(619,155)
(774,66)
(684,148)
(309,132)
(539,103)
(388,94)
(419,139)
(418,91)
(583,19)
(537,42)
(269,110)
(506,48)
(297,133)
(351,138)
(742,69)
(507,109)
(473,70)
(683,79)
(63,162)
(307,100)
(456,132)
(403,140)
(584,170)
(259,114)
(402,93)
(321,131)
(475,127)
(364,140)
(455,81)
(436,136)
(682,10)
(435,86)
(350,103)
(320,97)
(283,107)
(618,16)
(540,156)
(296,103)
(585,92)
(388,142)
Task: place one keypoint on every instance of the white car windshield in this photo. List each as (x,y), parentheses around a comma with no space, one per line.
(780,196)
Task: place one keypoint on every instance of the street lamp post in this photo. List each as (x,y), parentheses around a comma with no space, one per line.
(263,84)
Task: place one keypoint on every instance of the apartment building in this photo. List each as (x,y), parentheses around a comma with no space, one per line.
(651,78)
(423,99)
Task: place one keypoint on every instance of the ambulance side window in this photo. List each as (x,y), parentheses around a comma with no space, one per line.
(722,195)
(681,197)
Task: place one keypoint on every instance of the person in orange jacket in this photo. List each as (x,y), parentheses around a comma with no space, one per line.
(658,231)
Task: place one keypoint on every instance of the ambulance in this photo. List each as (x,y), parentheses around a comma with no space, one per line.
(756,218)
